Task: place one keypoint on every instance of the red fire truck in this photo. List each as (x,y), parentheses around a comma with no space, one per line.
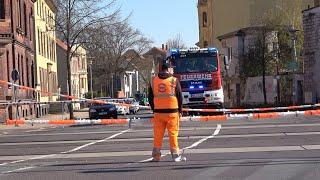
(199,73)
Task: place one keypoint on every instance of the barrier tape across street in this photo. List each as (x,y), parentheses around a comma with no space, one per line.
(250,116)
(289,108)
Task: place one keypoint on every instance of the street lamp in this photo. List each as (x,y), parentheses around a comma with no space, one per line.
(293,32)
(49,72)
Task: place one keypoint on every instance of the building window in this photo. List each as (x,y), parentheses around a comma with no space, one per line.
(14,63)
(28,75)
(30,24)
(38,8)
(2,10)
(25,19)
(205,44)
(19,12)
(42,41)
(32,75)
(230,54)
(205,19)
(19,68)
(22,75)
(39,42)
(8,66)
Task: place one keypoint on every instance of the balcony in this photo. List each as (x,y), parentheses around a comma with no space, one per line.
(5,33)
(83,72)
(5,39)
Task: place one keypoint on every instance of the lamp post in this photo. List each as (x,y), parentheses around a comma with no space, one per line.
(49,66)
(91,90)
(293,32)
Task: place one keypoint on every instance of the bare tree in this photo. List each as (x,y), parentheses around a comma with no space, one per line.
(74,18)
(108,43)
(259,56)
(285,17)
(176,42)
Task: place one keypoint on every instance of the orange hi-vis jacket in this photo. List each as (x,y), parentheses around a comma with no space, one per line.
(164,93)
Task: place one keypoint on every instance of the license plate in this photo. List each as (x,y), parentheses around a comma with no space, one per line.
(196,95)
(103,113)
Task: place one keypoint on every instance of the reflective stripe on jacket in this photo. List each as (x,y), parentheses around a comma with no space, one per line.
(164,93)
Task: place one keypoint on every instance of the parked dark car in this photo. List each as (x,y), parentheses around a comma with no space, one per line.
(98,111)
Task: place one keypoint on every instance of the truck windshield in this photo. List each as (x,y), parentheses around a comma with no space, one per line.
(195,64)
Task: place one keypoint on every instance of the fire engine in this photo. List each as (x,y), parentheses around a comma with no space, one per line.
(199,73)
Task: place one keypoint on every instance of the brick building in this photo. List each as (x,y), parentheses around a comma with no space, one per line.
(17,52)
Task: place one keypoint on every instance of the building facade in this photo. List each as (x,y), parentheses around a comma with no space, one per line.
(79,72)
(311,57)
(46,61)
(218,17)
(17,52)
(79,75)
(241,89)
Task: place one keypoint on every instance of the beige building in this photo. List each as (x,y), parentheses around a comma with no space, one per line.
(218,17)
(46,61)
(79,73)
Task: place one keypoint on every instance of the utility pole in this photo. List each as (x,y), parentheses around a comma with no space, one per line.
(91,90)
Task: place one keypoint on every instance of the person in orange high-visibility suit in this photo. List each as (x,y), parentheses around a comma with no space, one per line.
(165,100)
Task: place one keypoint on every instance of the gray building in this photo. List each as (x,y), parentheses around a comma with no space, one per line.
(240,88)
(311,25)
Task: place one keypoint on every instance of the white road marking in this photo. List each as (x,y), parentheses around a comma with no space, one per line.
(17,170)
(95,142)
(249,149)
(18,159)
(230,126)
(36,130)
(216,132)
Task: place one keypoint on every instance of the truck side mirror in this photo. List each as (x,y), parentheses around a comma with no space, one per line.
(226,62)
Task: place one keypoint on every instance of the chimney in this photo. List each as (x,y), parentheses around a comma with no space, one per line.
(316,3)
(162,47)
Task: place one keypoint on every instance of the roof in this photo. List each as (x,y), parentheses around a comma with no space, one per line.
(240,32)
(61,44)
(131,52)
(155,50)
(311,9)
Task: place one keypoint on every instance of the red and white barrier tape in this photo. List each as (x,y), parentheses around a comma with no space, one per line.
(146,107)
(253,109)
(63,95)
(69,122)
(252,116)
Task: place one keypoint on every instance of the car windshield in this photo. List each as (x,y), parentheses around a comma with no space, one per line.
(195,64)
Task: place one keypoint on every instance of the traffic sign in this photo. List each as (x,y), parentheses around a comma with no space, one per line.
(15,75)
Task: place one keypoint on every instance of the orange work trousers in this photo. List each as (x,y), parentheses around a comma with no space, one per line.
(163,121)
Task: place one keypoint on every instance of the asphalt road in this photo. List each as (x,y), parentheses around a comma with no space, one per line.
(251,150)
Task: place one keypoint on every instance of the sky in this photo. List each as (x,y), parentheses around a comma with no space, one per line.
(161,20)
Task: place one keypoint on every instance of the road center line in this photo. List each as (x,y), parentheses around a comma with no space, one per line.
(95,142)
(65,152)
(17,170)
